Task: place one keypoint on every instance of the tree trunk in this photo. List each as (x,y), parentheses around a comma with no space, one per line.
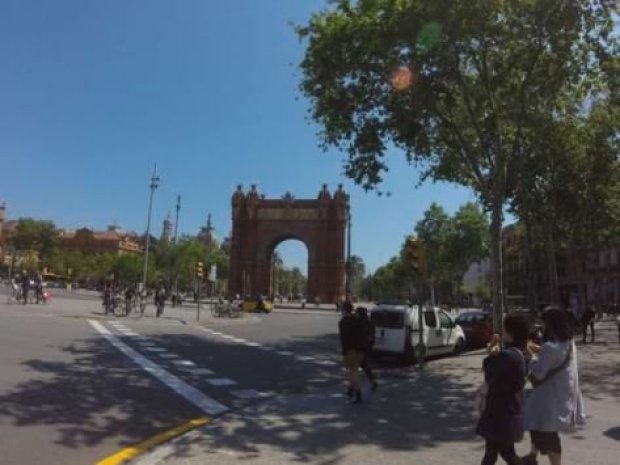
(529,265)
(552,267)
(497,282)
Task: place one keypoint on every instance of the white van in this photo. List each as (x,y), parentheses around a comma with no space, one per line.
(397,331)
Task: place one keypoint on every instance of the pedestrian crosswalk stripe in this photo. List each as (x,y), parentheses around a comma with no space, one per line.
(220,382)
(185,363)
(248,394)
(191,394)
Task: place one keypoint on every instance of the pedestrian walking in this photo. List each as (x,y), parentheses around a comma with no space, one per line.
(38,288)
(367,335)
(501,422)
(587,319)
(555,404)
(349,330)
(25,284)
(160,300)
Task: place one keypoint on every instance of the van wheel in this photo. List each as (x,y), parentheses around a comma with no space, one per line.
(459,347)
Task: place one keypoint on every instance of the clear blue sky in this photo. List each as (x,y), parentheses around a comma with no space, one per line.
(93,92)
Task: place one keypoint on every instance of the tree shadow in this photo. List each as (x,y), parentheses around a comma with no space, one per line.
(413,409)
(93,394)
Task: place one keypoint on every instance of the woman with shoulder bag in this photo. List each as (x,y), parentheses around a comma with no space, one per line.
(501,422)
(555,404)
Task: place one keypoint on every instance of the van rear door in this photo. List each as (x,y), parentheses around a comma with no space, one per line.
(389,330)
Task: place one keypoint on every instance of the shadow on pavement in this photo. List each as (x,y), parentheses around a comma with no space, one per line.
(411,410)
(94,394)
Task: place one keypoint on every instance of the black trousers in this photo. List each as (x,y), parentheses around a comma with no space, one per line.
(497,448)
(585,330)
(365,365)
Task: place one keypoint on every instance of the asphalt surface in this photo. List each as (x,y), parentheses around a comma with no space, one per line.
(70,391)
(77,385)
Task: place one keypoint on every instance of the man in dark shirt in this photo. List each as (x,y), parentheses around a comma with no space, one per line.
(587,319)
(349,330)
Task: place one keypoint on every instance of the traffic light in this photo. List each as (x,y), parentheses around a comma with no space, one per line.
(200,270)
(414,255)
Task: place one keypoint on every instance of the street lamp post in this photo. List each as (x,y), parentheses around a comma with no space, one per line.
(348,266)
(176,268)
(176,220)
(153,186)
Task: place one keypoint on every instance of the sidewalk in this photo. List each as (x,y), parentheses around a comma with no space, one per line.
(424,418)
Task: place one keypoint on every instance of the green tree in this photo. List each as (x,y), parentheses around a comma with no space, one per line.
(39,236)
(358,271)
(455,84)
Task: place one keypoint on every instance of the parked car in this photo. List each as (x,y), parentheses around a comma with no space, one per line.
(397,331)
(477,326)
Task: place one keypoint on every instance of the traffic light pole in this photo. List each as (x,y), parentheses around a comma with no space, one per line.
(198,300)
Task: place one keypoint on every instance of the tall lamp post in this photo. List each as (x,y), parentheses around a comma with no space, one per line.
(154,185)
(176,220)
(348,267)
(176,270)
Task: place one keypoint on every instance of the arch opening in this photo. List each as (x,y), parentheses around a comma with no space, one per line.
(289,267)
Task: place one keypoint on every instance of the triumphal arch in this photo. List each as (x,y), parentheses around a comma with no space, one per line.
(260,224)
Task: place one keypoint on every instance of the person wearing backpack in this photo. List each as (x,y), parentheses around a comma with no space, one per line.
(501,422)
(555,404)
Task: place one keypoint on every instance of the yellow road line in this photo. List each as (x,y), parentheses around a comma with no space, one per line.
(140,448)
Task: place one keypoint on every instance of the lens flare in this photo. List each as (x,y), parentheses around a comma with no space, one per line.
(402,78)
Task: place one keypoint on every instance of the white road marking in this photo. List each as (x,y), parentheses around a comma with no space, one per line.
(155,349)
(220,382)
(191,394)
(185,363)
(303,358)
(286,353)
(168,356)
(198,371)
(252,344)
(248,394)
(327,363)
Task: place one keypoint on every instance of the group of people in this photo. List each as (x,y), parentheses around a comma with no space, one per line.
(357,337)
(24,283)
(114,293)
(553,405)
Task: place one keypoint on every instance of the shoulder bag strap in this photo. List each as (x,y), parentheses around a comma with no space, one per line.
(551,373)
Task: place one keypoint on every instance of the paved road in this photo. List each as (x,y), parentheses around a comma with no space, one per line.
(81,386)
(76,382)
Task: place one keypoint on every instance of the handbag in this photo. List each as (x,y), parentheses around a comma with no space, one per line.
(480,396)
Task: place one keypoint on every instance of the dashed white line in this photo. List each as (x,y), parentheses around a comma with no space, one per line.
(286,353)
(304,358)
(185,363)
(198,371)
(155,349)
(248,394)
(206,404)
(221,382)
(168,356)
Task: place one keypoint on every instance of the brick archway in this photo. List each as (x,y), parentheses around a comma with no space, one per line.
(260,224)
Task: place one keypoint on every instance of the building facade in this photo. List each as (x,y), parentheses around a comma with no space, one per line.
(113,241)
(585,277)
